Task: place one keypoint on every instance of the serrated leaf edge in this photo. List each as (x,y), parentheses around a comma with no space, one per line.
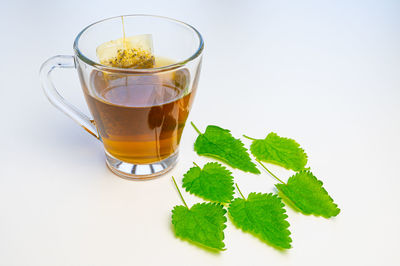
(276,162)
(257,171)
(184,185)
(323,189)
(195,242)
(256,234)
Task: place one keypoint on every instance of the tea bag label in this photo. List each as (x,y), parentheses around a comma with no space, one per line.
(131,52)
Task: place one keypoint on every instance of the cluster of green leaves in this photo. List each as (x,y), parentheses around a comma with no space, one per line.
(303,190)
(262,215)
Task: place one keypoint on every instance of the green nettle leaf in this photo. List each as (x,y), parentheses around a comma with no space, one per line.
(219,143)
(306,193)
(264,216)
(284,152)
(214,182)
(203,223)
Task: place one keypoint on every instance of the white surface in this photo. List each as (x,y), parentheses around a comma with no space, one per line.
(326,73)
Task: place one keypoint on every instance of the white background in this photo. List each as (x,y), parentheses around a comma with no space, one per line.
(326,73)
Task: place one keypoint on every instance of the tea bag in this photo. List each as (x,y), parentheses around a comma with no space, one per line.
(130,52)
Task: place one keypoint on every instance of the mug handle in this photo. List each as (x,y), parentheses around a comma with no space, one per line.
(63,61)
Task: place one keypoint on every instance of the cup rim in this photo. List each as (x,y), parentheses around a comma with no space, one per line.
(102,67)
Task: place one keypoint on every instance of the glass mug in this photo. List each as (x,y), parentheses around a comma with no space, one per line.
(138,114)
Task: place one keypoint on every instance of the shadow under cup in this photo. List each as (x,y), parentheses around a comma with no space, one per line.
(138,114)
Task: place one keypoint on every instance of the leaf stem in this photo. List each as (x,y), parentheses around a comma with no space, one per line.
(247,137)
(180,194)
(195,128)
(240,192)
(196,165)
(269,171)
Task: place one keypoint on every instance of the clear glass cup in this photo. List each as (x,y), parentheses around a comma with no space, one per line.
(138,114)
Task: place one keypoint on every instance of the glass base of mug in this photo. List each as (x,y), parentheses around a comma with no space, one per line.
(140,171)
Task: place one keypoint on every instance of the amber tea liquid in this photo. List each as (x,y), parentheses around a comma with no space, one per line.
(140,118)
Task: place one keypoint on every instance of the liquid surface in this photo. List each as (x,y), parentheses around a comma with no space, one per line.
(140,118)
